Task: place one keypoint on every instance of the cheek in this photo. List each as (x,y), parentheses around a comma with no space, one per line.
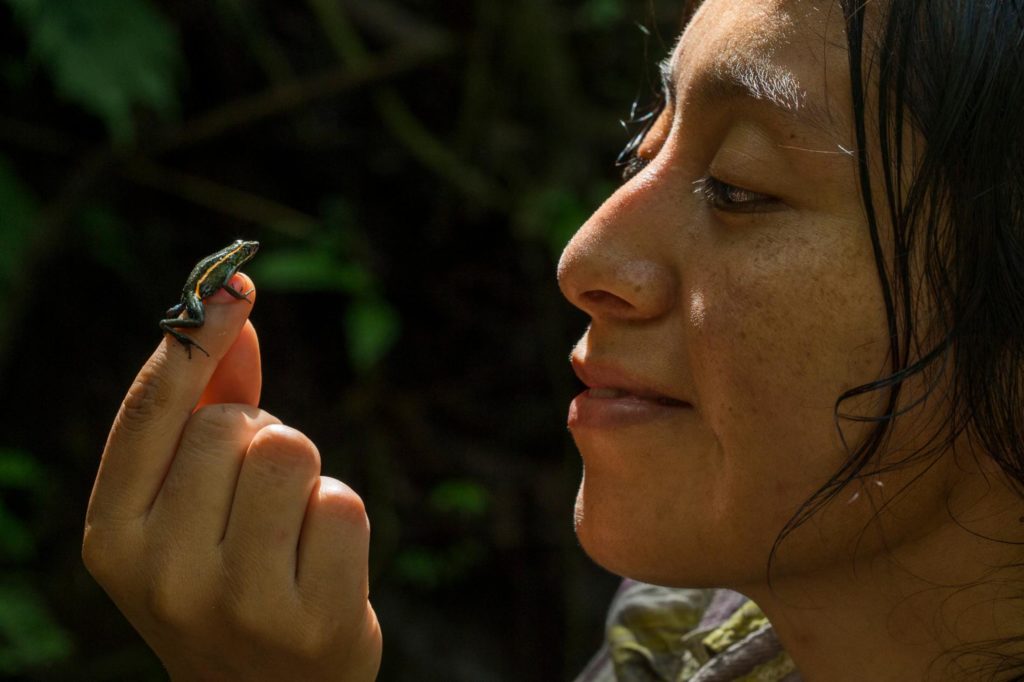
(774,347)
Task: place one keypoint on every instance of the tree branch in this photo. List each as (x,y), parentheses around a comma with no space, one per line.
(229,201)
(403,124)
(292,95)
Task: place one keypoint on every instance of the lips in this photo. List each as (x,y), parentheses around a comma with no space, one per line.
(617,398)
(619,394)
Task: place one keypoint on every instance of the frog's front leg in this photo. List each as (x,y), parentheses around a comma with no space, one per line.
(236,293)
(196,317)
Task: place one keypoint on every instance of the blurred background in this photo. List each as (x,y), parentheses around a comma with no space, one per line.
(413,169)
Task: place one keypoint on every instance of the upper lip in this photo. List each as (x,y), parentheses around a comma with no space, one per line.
(602,375)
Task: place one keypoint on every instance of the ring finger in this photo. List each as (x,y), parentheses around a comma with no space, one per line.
(280,470)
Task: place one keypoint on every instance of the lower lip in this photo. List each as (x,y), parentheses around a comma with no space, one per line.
(586,411)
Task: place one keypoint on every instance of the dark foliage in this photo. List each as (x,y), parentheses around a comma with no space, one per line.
(412,169)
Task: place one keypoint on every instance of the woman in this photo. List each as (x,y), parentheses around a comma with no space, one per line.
(803,371)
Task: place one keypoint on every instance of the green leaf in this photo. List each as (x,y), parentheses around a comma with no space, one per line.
(18,469)
(461,497)
(16,542)
(603,13)
(15,73)
(106,238)
(372,327)
(29,635)
(107,56)
(309,270)
(420,567)
(551,215)
(431,568)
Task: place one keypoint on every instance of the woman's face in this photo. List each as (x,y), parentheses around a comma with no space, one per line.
(734,296)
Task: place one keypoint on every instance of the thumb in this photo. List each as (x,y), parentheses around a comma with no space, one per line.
(144,437)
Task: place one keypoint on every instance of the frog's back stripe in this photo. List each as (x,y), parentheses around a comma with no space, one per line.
(213,266)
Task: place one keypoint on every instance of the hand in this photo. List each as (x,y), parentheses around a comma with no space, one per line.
(213,531)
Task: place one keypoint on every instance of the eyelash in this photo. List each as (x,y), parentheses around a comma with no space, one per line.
(633,164)
(726,197)
(629,160)
(718,194)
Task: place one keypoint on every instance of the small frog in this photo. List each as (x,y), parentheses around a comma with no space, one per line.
(209,275)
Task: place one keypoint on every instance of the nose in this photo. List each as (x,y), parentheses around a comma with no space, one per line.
(616,267)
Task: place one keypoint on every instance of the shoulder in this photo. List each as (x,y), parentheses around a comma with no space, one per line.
(657,634)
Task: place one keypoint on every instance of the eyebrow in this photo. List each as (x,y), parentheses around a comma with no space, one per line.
(741,77)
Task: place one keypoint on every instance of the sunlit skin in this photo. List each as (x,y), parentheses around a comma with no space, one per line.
(723,329)
(751,314)
(213,531)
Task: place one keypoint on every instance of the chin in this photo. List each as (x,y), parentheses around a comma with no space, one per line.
(640,542)
(618,543)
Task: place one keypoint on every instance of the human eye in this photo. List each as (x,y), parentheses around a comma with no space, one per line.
(725,197)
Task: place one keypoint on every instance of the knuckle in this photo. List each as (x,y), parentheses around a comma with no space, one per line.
(248,622)
(343,504)
(254,618)
(169,603)
(215,424)
(353,515)
(183,593)
(317,640)
(98,555)
(282,452)
(149,395)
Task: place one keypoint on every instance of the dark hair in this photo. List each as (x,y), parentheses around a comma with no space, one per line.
(952,71)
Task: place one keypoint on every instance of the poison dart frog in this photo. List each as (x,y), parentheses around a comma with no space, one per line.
(210,274)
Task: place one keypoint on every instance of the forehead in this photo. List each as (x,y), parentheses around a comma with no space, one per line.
(788,53)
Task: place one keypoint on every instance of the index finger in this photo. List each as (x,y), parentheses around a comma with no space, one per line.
(148,425)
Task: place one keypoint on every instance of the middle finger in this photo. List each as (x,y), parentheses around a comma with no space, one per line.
(196,495)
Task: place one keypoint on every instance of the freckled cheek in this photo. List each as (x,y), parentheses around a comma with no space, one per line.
(760,356)
(766,381)
(733,338)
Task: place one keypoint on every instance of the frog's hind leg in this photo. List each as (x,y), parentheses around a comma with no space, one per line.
(196,319)
(185,340)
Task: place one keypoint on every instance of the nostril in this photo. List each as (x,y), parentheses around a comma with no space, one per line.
(606,299)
